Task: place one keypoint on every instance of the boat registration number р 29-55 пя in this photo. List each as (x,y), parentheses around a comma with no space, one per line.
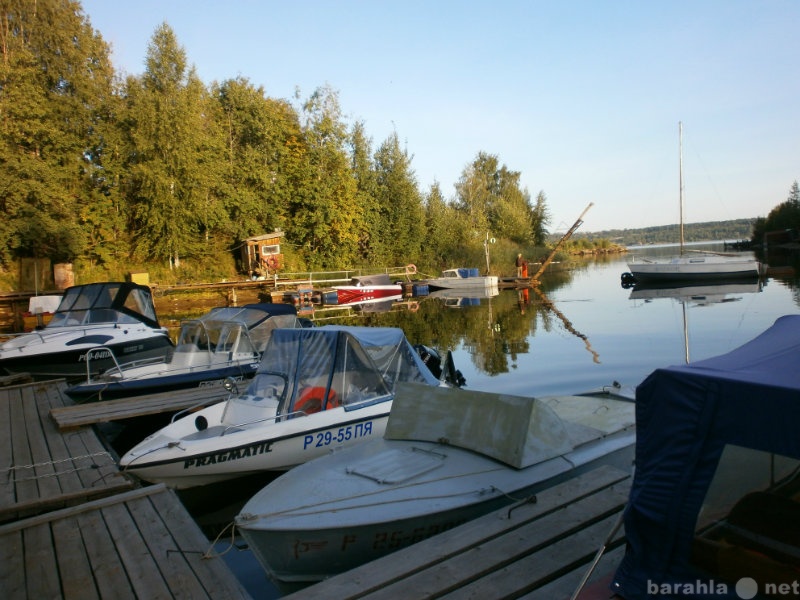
(344,434)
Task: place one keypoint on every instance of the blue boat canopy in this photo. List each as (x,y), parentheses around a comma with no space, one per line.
(715,495)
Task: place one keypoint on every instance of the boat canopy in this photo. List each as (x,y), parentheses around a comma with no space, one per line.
(313,369)
(515,430)
(223,328)
(109,302)
(717,459)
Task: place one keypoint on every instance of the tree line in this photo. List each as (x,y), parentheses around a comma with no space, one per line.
(107,171)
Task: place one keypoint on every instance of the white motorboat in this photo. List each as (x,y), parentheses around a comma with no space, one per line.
(95,327)
(444,459)
(468,280)
(315,389)
(225,342)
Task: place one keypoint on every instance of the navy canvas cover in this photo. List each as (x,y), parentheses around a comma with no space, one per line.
(685,416)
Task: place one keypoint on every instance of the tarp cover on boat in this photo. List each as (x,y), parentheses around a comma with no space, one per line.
(348,365)
(738,412)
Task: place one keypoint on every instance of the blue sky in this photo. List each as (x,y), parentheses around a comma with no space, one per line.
(583,98)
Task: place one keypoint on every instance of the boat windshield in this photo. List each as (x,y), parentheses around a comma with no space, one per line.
(103,303)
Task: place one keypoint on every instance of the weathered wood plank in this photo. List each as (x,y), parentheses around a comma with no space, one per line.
(534,571)
(565,586)
(22,472)
(502,554)
(141,544)
(36,434)
(45,468)
(398,571)
(79,415)
(140,565)
(169,557)
(12,580)
(6,451)
(218,580)
(41,567)
(110,578)
(73,559)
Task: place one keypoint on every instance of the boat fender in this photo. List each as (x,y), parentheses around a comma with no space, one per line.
(311,398)
(201,423)
(628,279)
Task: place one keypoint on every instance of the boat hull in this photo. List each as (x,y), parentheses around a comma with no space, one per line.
(694,269)
(355,294)
(70,362)
(304,555)
(125,388)
(275,448)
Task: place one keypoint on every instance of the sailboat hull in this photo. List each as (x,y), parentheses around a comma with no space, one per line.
(688,268)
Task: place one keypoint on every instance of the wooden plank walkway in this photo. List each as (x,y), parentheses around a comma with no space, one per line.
(534,551)
(140,544)
(74,415)
(41,468)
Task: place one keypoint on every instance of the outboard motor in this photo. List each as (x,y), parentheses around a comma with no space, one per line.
(431,359)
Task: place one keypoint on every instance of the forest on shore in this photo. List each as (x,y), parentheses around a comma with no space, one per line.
(164,173)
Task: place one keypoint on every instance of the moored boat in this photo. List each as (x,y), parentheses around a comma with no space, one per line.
(465,279)
(715,499)
(95,327)
(226,342)
(693,266)
(315,389)
(368,288)
(444,459)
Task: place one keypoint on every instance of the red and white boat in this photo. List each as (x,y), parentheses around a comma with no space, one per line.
(369,288)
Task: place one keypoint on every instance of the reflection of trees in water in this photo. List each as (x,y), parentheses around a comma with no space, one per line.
(494,332)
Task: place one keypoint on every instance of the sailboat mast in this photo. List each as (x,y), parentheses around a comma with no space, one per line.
(680,176)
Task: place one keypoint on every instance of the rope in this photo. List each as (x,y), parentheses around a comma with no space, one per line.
(93,465)
(210,552)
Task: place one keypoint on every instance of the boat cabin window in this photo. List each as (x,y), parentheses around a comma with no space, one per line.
(750,516)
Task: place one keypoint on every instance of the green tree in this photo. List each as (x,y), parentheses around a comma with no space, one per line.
(491,198)
(264,152)
(401,210)
(173,157)
(784,216)
(366,192)
(540,220)
(55,82)
(324,214)
(444,228)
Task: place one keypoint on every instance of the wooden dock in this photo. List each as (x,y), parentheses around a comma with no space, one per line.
(140,544)
(44,469)
(71,415)
(532,550)
(73,526)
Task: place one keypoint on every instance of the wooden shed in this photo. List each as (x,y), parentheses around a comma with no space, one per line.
(261,254)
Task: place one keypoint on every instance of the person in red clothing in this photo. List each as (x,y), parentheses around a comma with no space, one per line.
(520,264)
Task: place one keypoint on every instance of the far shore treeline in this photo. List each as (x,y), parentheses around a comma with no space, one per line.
(165,173)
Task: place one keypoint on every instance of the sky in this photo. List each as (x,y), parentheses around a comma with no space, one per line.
(582,97)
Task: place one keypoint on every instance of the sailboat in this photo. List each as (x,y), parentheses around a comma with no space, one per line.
(696,266)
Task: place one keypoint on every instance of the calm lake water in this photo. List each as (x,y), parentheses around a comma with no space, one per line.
(579,331)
